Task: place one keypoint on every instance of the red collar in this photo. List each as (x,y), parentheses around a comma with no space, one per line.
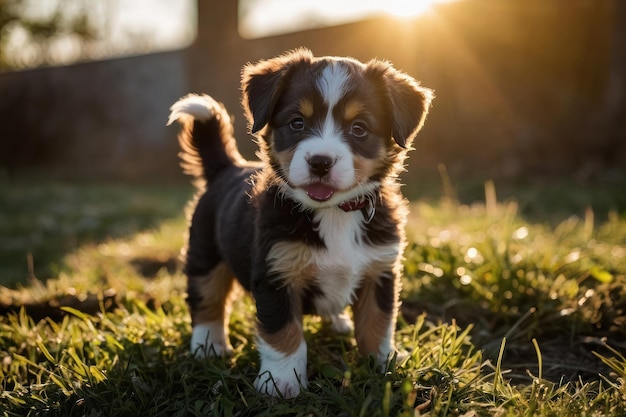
(353,205)
(366,205)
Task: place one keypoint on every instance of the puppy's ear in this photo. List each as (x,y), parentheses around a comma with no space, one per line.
(409,102)
(262,84)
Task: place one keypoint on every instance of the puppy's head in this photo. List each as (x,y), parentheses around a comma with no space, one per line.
(332,128)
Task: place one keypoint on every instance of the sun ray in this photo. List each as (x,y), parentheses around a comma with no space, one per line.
(407,8)
(270,17)
(410,8)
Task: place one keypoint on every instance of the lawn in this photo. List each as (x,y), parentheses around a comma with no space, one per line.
(512,306)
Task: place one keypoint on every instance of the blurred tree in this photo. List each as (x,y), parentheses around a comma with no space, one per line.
(35,32)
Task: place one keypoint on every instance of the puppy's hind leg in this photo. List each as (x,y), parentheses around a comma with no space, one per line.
(210,298)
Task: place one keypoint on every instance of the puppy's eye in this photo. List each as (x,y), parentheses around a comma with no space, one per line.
(297,124)
(358,130)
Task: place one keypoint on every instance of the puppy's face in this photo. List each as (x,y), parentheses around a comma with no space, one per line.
(332,128)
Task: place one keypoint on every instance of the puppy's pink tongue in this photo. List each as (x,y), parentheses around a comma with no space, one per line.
(319,191)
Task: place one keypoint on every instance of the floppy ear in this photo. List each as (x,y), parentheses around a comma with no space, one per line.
(409,103)
(262,84)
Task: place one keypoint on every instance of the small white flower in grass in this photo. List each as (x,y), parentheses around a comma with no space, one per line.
(520,233)
(217,387)
(466,279)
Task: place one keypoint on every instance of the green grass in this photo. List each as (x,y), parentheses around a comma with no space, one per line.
(45,221)
(506,312)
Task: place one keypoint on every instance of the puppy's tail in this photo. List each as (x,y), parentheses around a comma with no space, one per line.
(206,137)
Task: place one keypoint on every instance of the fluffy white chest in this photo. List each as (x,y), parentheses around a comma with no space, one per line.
(345,260)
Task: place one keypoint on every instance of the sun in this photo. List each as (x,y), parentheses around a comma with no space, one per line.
(409,8)
(272,17)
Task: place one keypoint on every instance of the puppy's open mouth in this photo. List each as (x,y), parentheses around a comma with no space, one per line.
(319,191)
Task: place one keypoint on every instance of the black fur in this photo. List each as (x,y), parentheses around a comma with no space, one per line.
(243,211)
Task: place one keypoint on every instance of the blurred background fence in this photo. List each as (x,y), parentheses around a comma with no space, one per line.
(524,88)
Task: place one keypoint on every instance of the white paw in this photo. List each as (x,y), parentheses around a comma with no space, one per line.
(209,339)
(281,374)
(402,356)
(287,386)
(341,323)
(384,359)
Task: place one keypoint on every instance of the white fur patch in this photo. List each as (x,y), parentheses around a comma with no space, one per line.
(386,349)
(200,107)
(281,374)
(341,175)
(332,83)
(210,339)
(343,262)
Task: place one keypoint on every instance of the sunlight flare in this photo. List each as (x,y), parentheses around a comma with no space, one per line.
(408,8)
(260,18)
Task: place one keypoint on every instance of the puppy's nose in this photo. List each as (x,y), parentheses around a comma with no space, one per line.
(320,164)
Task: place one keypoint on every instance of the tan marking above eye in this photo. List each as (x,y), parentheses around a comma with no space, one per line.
(353,109)
(306,108)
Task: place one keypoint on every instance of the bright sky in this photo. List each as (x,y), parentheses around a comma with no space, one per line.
(140,26)
(127,27)
(260,18)
(168,24)
(171,22)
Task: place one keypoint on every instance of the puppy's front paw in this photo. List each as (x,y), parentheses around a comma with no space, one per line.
(398,357)
(209,340)
(281,374)
(401,356)
(280,383)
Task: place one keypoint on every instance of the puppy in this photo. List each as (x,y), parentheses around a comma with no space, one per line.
(318,224)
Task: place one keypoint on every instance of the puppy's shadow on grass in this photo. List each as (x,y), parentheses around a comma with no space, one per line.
(93,232)
(42,222)
(151,266)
